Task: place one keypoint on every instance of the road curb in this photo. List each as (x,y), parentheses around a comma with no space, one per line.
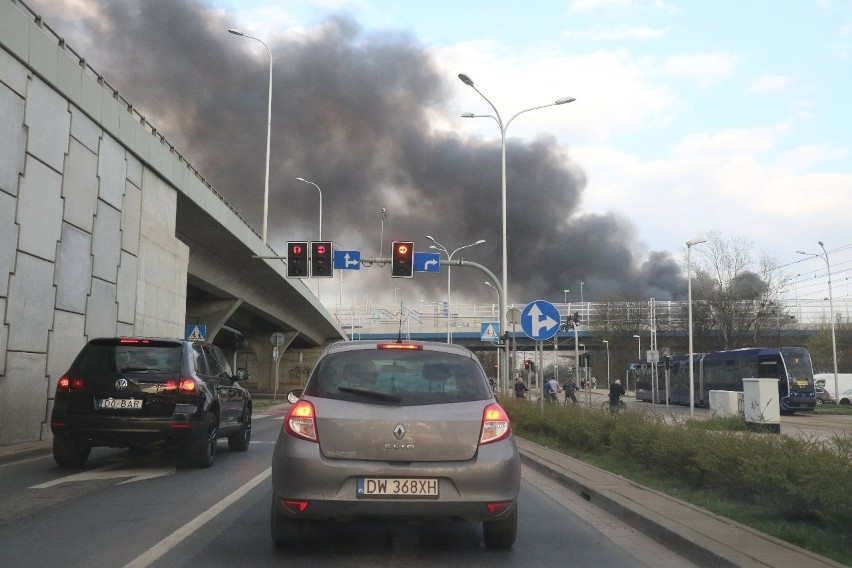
(17,452)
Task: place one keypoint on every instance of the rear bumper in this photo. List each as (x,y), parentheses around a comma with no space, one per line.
(329,486)
(127,431)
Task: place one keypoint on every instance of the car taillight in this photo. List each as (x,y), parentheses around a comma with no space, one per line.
(495,424)
(69,383)
(301,421)
(184,385)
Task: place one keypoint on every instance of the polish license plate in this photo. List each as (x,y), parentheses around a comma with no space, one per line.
(403,487)
(120,403)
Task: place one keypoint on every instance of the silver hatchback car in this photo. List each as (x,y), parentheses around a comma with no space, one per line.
(404,430)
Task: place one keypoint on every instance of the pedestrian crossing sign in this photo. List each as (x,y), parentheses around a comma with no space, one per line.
(490,332)
(196,332)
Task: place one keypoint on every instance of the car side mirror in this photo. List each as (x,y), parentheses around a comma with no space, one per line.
(242,374)
(294,395)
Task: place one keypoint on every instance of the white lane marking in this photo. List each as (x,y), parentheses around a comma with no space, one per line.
(105,472)
(186,530)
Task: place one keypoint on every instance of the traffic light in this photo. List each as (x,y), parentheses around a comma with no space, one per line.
(297,259)
(322,265)
(402,261)
(585,360)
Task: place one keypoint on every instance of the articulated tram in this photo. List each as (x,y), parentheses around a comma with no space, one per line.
(725,370)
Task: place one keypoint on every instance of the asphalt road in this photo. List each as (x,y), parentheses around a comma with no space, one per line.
(142,510)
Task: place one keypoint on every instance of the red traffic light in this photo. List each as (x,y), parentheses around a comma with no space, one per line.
(321,249)
(297,249)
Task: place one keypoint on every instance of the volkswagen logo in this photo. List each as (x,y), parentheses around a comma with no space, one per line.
(399,432)
(121,384)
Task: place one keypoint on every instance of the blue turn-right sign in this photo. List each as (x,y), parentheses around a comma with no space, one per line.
(540,320)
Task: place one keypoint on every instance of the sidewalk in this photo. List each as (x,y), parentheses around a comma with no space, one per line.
(699,536)
(694,533)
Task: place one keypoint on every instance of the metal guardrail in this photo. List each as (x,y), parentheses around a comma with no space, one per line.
(468,318)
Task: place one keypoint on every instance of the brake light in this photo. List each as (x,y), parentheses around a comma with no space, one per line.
(69,383)
(300,421)
(184,385)
(406,346)
(495,424)
(133,341)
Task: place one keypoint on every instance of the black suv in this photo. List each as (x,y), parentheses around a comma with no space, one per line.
(134,391)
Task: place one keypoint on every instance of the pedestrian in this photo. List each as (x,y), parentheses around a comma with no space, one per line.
(570,388)
(616,391)
(520,387)
(552,388)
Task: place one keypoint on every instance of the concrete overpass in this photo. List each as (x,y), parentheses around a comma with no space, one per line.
(106,229)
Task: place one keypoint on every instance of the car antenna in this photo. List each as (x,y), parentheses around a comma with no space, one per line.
(399,333)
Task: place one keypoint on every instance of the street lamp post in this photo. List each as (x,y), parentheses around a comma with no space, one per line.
(824,256)
(606,342)
(581,296)
(268,132)
(640,345)
(439,246)
(689,245)
(499,358)
(503,127)
(320,203)
(382,232)
(565,296)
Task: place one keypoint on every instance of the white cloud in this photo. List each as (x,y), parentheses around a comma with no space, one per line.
(704,68)
(618,34)
(770,84)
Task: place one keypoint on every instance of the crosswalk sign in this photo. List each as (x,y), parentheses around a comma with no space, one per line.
(196,332)
(490,331)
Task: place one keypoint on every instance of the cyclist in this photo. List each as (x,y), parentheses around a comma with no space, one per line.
(616,391)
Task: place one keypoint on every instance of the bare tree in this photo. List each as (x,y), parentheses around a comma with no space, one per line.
(737,297)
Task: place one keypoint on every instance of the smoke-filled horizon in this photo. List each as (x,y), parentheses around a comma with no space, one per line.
(354,112)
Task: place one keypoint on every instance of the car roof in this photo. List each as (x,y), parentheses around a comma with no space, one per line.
(372,344)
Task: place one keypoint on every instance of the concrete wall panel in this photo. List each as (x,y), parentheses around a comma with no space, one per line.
(80,186)
(134,170)
(39,210)
(101,311)
(4,337)
(25,384)
(130,214)
(84,130)
(49,123)
(8,240)
(12,74)
(14,29)
(112,171)
(106,243)
(30,309)
(14,139)
(126,289)
(69,76)
(42,54)
(73,269)
(66,340)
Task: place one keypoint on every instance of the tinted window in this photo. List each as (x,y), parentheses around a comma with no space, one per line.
(214,368)
(198,358)
(121,358)
(398,377)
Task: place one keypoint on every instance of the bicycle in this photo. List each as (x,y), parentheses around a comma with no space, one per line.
(619,406)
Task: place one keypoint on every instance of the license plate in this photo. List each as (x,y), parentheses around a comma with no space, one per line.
(406,487)
(120,403)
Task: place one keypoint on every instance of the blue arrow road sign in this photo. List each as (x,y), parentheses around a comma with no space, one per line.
(540,320)
(347,260)
(427,262)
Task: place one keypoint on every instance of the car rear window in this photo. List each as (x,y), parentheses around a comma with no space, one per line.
(115,357)
(398,377)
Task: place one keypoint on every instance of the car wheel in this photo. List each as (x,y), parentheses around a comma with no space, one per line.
(286,531)
(239,440)
(501,534)
(203,452)
(70,453)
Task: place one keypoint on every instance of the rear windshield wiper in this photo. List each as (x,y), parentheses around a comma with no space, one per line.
(138,369)
(374,394)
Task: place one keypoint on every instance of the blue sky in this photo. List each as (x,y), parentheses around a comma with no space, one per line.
(690,116)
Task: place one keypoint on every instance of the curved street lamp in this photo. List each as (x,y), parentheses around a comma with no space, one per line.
(268,131)
(320,203)
(639,337)
(503,128)
(449,258)
(824,256)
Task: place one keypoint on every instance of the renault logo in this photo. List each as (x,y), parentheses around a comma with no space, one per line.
(121,384)
(399,432)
